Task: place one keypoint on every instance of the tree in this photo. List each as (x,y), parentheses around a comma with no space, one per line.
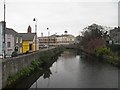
(93,31)
(93,37)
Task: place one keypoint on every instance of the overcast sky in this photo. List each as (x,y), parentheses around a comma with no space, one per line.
(59,15)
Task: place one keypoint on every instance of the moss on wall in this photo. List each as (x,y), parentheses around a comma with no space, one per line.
(46,58)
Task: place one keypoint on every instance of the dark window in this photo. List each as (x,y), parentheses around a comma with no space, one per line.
(30,46)
(8,44)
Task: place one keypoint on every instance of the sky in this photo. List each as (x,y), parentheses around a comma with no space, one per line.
(59,15)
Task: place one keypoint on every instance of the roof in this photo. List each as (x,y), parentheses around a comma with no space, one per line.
(115,30)
(27,36)
(10,31)
(67,35)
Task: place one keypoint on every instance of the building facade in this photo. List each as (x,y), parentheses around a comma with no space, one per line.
(12,40)
(11,43)
(65,39)
(1,40)
(56,40)
(29,41)
(49,41)
(115,36)
(17,42)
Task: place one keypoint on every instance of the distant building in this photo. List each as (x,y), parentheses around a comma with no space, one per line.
(29,41)
(65,39)
(115,35)
(56,40)
(48,41)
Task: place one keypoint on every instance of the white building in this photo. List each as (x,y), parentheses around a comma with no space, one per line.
(65,39)
(56,40)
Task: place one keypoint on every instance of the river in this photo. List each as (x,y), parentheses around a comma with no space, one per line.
(76,71)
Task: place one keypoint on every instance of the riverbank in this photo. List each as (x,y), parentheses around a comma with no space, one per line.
(111,59)
(45,59)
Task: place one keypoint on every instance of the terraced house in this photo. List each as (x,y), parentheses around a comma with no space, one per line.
(19,42)
(12,41)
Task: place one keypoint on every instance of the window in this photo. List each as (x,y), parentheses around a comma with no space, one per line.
(20,39)
(8,44)
(8,36)
(16,39)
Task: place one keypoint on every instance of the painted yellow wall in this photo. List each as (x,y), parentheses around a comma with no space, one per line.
(25,46)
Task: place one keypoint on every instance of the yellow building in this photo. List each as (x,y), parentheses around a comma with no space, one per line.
(29,41)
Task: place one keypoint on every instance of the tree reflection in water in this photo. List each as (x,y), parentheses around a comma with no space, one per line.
(46,74)
(56,67)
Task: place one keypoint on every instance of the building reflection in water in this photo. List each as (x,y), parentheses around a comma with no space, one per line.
(68,55)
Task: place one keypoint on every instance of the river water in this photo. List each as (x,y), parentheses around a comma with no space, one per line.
(76,71)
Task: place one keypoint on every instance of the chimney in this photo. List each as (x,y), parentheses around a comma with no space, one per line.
(29,29)
(41,34)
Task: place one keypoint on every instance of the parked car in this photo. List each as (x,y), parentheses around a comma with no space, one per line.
(43,46)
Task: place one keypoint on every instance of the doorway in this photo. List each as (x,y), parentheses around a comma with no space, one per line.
(30,46)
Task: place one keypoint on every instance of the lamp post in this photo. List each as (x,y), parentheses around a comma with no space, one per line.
(4,28)
(35,33)
(48,36)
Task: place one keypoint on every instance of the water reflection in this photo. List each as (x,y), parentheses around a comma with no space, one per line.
(56,67)
(76,71)
(67,55)
(47,73)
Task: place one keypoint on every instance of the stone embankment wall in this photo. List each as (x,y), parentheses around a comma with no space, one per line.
(11,66)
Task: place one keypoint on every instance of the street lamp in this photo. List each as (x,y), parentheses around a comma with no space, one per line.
(48,36)
(4,28)
(35,33)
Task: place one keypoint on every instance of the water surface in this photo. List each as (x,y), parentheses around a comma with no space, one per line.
(76,71)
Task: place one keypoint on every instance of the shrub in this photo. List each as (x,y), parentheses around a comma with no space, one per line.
(102,51)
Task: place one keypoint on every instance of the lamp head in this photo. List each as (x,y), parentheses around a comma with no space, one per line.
(34,19)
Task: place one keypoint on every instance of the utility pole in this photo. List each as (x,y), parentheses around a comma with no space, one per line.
(4,28)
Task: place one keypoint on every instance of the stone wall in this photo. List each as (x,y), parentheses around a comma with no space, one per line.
(11,66)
